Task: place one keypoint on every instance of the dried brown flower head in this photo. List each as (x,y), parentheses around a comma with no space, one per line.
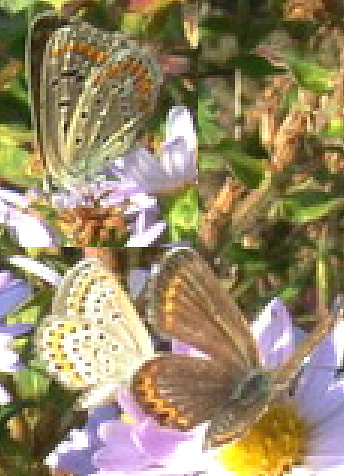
(86,226)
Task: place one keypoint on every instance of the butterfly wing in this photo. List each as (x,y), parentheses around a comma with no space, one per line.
(181,392)
(93,335)
(186,302)
(41,29)
(96,90)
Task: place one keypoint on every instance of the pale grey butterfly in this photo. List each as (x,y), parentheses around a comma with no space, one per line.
(93,340)
(91,92)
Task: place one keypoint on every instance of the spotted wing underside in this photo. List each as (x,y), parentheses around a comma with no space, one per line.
(92,92)
(94,335)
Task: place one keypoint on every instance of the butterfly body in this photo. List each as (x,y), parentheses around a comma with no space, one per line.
(91,92)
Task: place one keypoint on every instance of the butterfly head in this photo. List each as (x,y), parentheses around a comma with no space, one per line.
(255,386)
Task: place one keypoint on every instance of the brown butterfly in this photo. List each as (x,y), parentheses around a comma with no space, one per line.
(229,386)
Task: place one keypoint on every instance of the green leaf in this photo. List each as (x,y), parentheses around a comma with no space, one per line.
(289,293)
(31,383)
(230,155)
(309,74)
(308,205)
(13,164)
(183,216)
(12,135)
(247,169)
(209,130)
(255,66)
(14,6)
(215,26)
(250,259)
(335,127)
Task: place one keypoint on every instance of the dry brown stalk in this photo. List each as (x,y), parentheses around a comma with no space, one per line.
(217,212)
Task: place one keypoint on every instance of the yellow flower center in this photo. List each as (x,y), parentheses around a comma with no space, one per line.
(272,447)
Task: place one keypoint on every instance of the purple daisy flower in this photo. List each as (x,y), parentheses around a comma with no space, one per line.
(13,293)
(315,409)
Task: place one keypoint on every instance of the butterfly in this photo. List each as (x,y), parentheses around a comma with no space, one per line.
(91,93)
(229,387)
(93,339)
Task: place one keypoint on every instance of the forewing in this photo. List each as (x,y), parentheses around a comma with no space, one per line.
(94,335)
(97,89)
(186,302)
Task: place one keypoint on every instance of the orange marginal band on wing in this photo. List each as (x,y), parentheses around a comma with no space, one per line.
(147,393)
(88,51)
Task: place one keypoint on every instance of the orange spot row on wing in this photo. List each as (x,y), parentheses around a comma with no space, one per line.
(132,67)
(92,53)
(148,394)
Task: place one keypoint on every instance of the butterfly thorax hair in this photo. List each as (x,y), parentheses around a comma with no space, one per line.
(255,386)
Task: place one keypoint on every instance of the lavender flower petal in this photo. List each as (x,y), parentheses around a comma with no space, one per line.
(274,333)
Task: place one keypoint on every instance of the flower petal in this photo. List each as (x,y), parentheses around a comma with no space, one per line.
(274,333)
(148,236)
(30,231)
(13,295)
(39,269)
(75,454)
(318,391)
(5,397)
(180,124)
